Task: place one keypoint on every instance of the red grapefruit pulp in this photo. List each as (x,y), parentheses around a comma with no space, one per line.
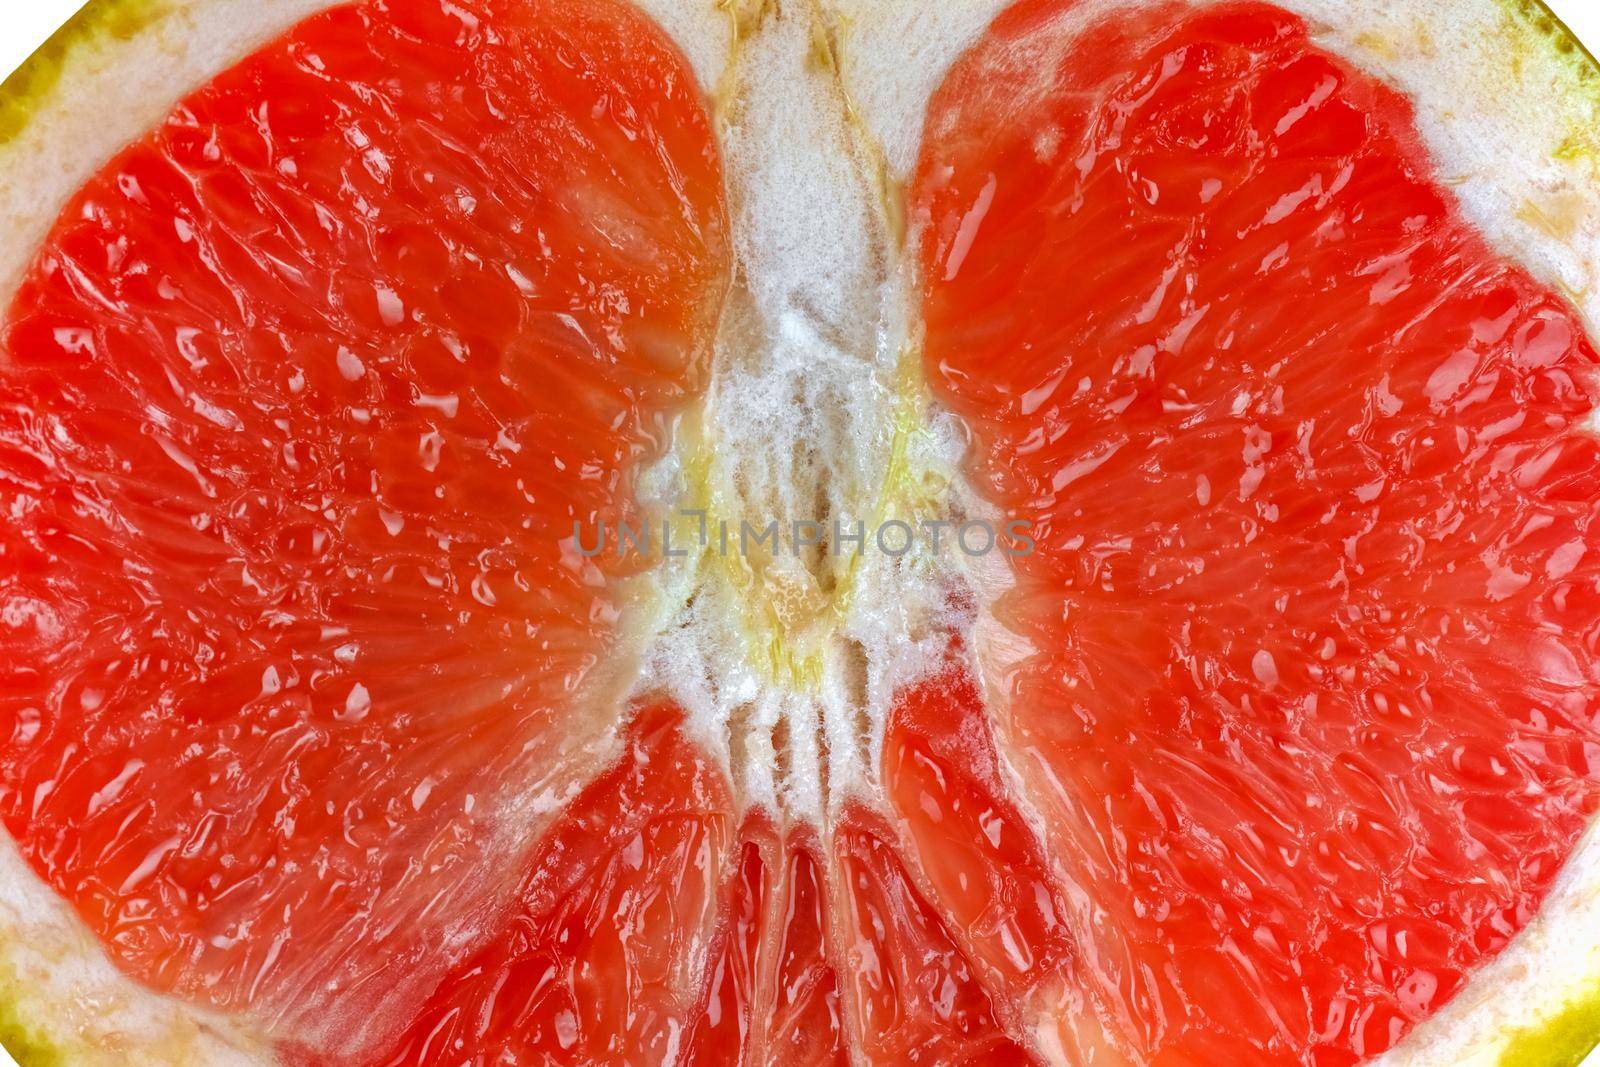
(300,403)
(312,706)
(600,965)
(1311,713)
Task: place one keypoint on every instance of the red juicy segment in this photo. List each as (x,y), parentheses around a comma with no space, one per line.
(1312,710)
(772,996)
(725,1030)
(807,1022)
(984,864)
(646,936)
(601,962)
(917,997)
(298,407)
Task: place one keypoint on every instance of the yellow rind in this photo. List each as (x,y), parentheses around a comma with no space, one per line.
(1537,15)
(1542,26)
(39,73)
(1562,1042)
(23,1040)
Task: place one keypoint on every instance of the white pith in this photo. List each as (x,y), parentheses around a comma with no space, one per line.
(816,102)
(787,661)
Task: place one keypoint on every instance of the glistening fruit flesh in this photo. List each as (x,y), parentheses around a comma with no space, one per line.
(1315,493)
(938,912)
(598,961)
(295,402)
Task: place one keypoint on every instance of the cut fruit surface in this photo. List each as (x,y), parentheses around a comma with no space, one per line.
(917,996)
(334,726)
(1310,709)
(298,408)
(772,991)
(981,858)
(646,934)
(807,1022)
(601,961)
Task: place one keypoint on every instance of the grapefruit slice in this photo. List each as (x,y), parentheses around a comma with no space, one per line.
(337,337)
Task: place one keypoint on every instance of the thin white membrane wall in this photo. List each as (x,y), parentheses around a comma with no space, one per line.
(788,665)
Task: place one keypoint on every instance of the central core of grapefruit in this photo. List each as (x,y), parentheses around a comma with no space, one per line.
(787,630)
(338,702)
